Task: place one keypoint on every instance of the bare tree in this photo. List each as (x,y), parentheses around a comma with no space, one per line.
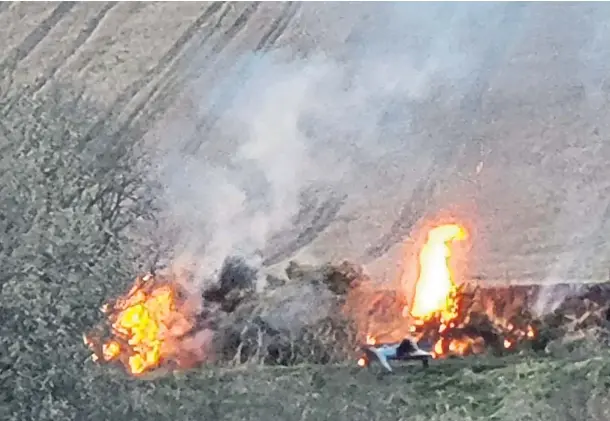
(68,198)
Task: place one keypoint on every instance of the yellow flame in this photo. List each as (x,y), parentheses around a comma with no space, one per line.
(111,350)
(145,325)
(435,284)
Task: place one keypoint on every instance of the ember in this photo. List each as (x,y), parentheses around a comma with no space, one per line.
(476,328)
(447,315)
(148,327)
(454,319)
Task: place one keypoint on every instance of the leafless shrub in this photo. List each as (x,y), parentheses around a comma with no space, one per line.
(70,189)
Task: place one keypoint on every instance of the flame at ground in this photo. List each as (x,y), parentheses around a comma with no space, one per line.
(441,310)
(446,315)
(436,289)
(146,327)
(435,285)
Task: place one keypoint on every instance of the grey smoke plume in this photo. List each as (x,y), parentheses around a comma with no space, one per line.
(276,127)
(367,103)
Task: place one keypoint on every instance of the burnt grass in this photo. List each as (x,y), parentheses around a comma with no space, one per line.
(70,193)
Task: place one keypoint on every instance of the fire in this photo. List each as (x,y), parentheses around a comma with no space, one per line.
(146,327)
(439,312)
(370,340)
(435,290)
(453,318)
(435,286)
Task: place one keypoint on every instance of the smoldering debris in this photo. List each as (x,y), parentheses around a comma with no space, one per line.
(309,317)
(298,320)
(490,319)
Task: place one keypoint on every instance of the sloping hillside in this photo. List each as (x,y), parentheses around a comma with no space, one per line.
(294,131)
(495,111)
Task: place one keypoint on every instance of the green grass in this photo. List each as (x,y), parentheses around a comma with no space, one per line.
(536,388)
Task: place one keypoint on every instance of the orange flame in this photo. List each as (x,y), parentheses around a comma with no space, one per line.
(435,285)
(146,326)
(451,318)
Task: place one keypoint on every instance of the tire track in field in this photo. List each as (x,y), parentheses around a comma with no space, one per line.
(20,52)
(85,33)
(408,216)
(315,217)
(83,36)
(171,90)
(84,62)
(278,27)
(241,74)
(326,212)
(322,214)
(128,94)
(322,217)
(167,89)
(448,159)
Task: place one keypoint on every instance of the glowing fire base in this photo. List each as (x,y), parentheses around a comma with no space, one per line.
(154,325)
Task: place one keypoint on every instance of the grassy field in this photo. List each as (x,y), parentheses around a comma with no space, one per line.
(523,388)
(515,140)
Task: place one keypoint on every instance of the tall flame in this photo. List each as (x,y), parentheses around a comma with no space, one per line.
(435,285)
(451,318)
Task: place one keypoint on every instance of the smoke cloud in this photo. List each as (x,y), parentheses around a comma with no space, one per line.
(371,108)
(273,132)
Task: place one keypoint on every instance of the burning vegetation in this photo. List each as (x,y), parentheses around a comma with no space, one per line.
(150,326)
(448,314)
(452,319)
(156,324)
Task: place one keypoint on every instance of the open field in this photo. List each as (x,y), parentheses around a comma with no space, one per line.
(534,388)
(133,133)
(531,108)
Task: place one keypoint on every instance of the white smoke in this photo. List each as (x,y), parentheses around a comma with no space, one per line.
(277,129)
(260,136)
